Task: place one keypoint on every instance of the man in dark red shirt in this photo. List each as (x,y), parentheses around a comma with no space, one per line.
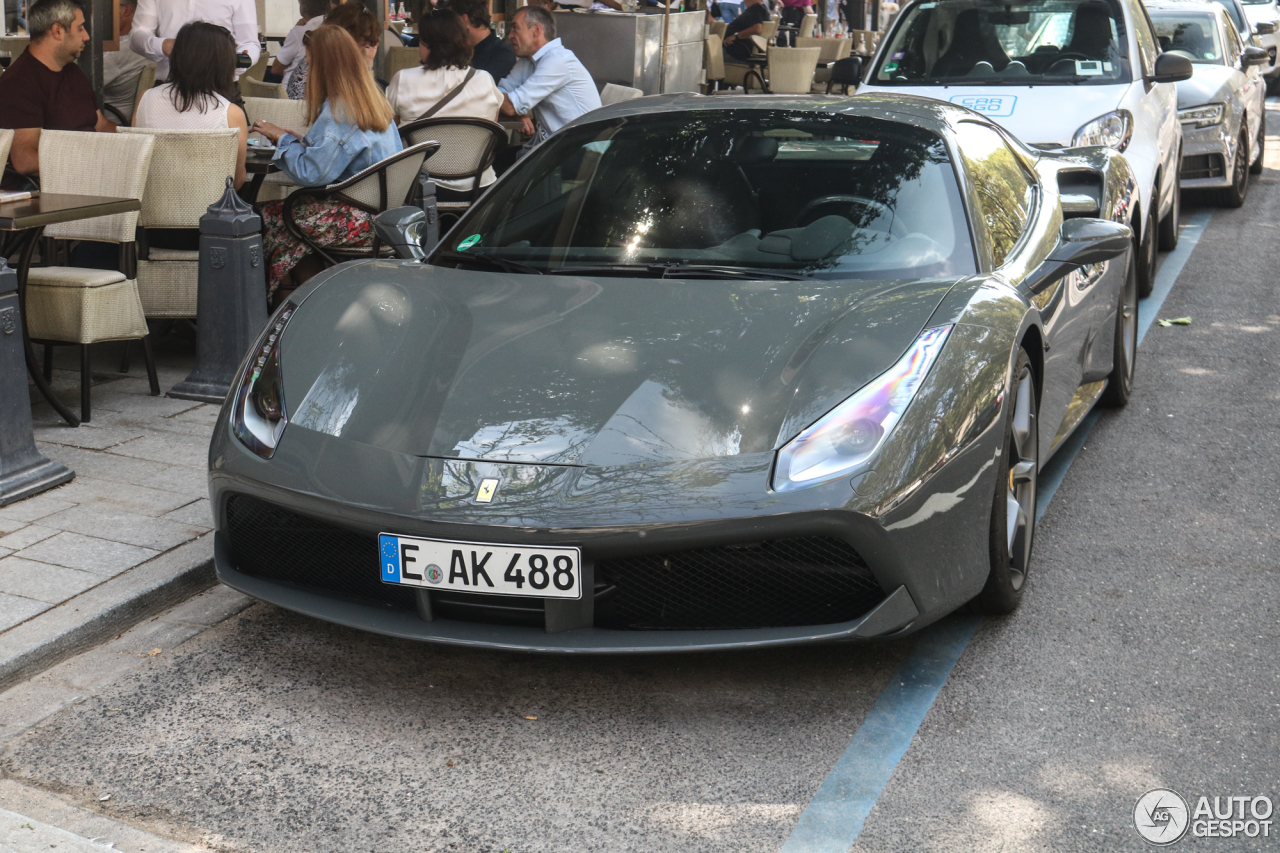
(44,89)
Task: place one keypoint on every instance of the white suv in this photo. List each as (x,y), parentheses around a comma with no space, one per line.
(1055,73)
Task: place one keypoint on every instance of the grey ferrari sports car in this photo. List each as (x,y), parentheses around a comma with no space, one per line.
(697,373)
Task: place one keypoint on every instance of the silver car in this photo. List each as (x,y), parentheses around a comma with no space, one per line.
(1222,106)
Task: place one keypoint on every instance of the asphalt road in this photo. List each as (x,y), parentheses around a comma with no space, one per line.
(1145,655)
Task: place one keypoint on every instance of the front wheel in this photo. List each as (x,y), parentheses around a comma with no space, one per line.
(1234,195)
(1013,510)
(1147,251)
(1124,353)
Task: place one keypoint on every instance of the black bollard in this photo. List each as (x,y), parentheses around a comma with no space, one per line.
(23,470)
(231,300)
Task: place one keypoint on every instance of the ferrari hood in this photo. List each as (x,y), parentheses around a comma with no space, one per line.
(438,362)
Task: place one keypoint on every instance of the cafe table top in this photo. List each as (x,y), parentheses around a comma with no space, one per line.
(52,208)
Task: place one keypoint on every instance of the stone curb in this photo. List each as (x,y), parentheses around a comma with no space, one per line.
(107,609)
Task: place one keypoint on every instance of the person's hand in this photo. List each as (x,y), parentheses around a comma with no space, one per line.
(270,131)
(526,126)
(167,47)
(729,39)
(507,108)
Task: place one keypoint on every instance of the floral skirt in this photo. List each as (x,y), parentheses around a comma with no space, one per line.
(330,224)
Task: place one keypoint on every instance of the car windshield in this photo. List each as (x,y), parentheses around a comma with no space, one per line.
(738,193)
(1042,42)
(1258,2)
(1189,34)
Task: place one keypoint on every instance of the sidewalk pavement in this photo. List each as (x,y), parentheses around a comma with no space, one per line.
(130,534)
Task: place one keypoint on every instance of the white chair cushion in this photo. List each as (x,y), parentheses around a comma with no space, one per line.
(85,315)
(174,255)
(72,277)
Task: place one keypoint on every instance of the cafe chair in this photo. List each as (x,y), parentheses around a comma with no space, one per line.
(713,61)
(612,93)
(790,69)
(468,146)
(830,50)
(251,88)
(400,58)
(807,25)
(384,185)
(257,70)
(286,113)
(845,72)
(769,31)
(188,173)
(719,28)
(78,306)
(146,80)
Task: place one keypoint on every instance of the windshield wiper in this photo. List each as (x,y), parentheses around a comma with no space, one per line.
(491,260)
(674,270)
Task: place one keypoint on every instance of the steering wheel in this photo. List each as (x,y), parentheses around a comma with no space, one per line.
(1073,54)
(896,228)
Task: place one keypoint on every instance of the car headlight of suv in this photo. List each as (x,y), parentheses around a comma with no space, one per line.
(259,416)
(851,433)
(1203,116)
(1112,130)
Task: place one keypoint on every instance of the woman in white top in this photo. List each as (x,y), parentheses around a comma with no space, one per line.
(203,64)
(446,57)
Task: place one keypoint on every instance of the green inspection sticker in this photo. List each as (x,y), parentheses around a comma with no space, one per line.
(469,242)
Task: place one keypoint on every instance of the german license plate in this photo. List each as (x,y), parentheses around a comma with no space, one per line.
(481,567)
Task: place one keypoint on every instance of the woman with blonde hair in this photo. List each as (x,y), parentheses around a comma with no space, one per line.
(352,129)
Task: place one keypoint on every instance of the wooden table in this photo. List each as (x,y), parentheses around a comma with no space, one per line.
(30,216)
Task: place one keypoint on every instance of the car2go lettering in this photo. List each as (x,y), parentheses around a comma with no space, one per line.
(481,567)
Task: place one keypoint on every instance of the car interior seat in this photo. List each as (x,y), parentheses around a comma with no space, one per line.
(972,42)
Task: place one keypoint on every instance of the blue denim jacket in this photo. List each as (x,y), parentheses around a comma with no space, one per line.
(333,150)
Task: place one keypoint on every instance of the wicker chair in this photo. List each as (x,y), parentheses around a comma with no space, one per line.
(807,24)
(400,58)
(286,113)
(468,146)
(146,79)
(72,305)
(251,88)
(612,93)
(713,60)
(769,31)
(378,188)
(259,69)
(189,172)
(791,69)
(718,28)
(829,51)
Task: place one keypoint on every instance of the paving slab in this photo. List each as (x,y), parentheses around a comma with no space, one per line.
(25,537)
(43,582)
(33,509)
(108,522)
(44,811)
(143,500)
(88,553)
(16,609)
(197,513)
(174,449)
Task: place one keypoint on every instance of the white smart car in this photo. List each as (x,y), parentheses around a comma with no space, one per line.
(1056,74)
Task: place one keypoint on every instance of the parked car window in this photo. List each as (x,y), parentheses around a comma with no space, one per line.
(1148,46)
(1005,190)
(1194,35)
(1233,46)
(796,192)
(1233,12)
(1049,42)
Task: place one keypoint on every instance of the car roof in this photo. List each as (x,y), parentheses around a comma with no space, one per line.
(1206,6)
(928,113)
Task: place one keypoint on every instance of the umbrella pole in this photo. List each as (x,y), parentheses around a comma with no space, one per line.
(666,23)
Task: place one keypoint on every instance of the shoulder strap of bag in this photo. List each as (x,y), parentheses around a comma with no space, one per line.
(453,93)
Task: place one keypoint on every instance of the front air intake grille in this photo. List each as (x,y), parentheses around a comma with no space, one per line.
(276,544)
(1203,166)
(782,583)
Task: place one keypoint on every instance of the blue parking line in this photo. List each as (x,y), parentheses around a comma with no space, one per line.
(834,817)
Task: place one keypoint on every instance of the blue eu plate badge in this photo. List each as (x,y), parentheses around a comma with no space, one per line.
(389,548)
(995,106)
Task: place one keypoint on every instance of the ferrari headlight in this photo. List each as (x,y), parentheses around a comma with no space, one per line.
(1198,117)
(259,416)
(1112,130)
(852,432)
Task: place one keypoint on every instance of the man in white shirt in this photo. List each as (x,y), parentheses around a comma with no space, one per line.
(293,51)
(156,24)
(549,81)
(122,67)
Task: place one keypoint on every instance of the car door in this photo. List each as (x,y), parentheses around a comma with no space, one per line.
(1007,197)
(1156,129)
(1249,88)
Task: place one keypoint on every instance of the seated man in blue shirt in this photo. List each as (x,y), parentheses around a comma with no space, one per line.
(548,81)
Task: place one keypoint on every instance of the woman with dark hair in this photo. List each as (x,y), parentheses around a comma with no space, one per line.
(352,128)
(202,65)
(445,86)
(361,24)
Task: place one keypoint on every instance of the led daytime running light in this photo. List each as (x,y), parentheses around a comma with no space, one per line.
(260,415)
(851,433)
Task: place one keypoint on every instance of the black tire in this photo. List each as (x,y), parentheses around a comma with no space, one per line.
(1147,251)
(1234,195)
(1124,352)
(1017,479)
(1169,225)
(1255,168)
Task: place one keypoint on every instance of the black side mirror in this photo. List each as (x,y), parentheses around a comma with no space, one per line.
(403,229)
(1265,28)
(1081,242)
(1170,68)
(1255,55)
